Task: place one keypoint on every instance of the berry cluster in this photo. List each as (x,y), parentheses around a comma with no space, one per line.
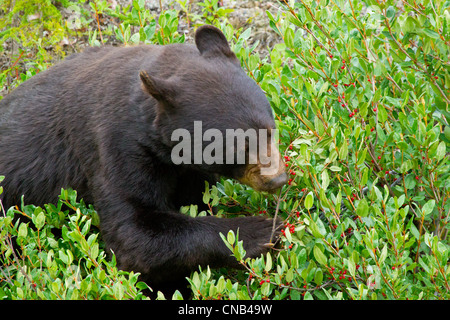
(290,227)
(291,172)
(342,274)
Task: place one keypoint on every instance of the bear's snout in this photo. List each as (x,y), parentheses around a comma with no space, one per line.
(268,177)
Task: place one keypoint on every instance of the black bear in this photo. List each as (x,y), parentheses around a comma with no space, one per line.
(101,122)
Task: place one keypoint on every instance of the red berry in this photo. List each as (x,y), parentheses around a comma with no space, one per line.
(375,109)
(379,157)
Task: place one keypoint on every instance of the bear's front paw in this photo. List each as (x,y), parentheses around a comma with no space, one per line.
(258,234)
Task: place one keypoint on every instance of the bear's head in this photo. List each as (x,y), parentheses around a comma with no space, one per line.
(212,115)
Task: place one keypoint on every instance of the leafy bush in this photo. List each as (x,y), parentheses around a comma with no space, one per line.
(360,92)
(55,253)
(361,95)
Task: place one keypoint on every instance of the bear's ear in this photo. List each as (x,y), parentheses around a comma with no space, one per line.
(211,41)
(161,90)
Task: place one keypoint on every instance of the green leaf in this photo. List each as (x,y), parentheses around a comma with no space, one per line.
(302,257)
(325,179)
(265,288)
(309,200)
(361,157)
(320,257)
(314,229)
(363,208)
(231,238)
(289,38)
(23,230)
(365,176)
(440,152)
(343,151)
(390,12)
(39,220)
(268,266)
(308,296)
(206,194)
(383,255)
(430,33)
(177,295)
(318,277)
(288,235)
(409,25)
(351,267)
(428,207)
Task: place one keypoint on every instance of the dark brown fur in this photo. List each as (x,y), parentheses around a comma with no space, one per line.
(93,124)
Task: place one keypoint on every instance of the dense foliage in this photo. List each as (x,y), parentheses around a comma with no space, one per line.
(361,94)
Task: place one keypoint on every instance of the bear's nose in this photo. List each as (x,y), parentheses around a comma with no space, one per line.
(277,182)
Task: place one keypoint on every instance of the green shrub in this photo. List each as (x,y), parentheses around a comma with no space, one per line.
(55,253)
(361,93)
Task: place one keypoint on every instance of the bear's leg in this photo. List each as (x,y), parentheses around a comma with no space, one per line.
(167,245)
